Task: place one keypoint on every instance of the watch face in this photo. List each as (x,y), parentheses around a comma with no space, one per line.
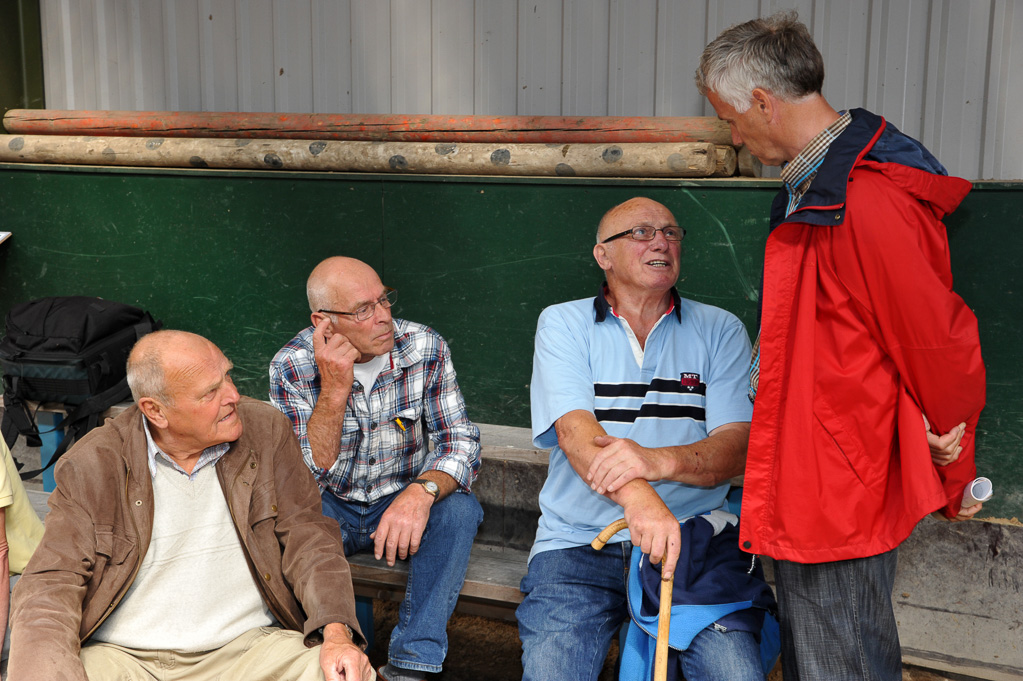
(431,487)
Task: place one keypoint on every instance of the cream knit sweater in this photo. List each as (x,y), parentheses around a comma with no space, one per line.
(194,591)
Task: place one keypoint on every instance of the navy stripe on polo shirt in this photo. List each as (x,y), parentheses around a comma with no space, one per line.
(652,411)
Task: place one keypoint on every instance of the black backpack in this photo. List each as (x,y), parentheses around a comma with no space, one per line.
(72,350)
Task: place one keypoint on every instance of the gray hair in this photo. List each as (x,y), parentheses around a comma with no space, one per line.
(146,377)
(775,53)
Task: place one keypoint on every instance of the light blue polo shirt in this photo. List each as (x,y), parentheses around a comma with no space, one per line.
(693,378)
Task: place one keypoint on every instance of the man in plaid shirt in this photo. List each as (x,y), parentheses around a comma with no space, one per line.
(364,390)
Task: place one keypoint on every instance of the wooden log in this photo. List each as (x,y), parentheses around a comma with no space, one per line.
(371,127)
(749,165)
(594,160)
(726,161)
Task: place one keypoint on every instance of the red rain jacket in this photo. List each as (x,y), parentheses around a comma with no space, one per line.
(861,334)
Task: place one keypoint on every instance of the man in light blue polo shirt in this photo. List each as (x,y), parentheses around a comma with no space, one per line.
(641,396)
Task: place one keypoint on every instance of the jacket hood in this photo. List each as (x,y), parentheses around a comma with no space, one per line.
(892,146)
(941,192)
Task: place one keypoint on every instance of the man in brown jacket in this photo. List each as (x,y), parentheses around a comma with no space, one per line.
(185,540)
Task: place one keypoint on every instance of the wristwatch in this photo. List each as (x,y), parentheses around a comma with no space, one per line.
(351,634)
(429,485)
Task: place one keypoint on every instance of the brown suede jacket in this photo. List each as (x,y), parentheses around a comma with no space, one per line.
(100,525)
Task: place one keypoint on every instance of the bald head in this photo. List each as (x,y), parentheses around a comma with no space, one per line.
(182,384)
(618,219)
(331,282)
(160,356)
(637,270)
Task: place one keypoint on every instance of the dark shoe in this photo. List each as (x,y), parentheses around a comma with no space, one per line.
(391,673)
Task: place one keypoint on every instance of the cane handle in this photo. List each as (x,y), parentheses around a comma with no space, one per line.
(605,535)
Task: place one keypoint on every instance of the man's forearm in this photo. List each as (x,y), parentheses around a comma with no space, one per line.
(446,484)
(338,632)
(324,428)
(457,453)
(713,460)
(576,431)
(610,464)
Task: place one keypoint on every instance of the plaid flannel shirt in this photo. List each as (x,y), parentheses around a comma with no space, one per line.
(383,440)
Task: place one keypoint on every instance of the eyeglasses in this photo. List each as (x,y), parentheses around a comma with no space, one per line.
(366,311)
(672,233)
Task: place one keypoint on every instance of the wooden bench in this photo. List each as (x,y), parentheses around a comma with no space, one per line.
(491,586)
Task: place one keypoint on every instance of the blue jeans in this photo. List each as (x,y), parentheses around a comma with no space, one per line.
(435,573)
(837,621)
(575,601)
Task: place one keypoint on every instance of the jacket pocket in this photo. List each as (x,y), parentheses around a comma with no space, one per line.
(834,436)
(112,547)
(263,505)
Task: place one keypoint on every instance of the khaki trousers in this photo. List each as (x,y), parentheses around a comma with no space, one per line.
(263,654)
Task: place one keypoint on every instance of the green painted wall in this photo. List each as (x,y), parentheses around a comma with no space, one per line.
(226,254)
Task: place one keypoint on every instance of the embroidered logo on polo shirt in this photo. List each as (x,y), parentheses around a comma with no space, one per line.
(689,381)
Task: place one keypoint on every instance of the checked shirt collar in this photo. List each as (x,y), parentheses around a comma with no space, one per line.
(799,173)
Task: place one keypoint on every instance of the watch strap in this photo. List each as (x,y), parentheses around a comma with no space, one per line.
(432,489)
(351,634)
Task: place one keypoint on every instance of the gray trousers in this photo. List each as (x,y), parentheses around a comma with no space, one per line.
(837,622)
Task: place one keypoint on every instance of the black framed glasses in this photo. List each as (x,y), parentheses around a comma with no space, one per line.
(672,233)
(366,311)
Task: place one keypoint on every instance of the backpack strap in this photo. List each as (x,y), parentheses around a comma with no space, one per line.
(17,419)
(84,418)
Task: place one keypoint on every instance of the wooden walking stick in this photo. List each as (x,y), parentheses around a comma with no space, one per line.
(664,613)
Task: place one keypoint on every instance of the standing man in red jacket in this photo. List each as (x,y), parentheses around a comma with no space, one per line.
(864,350)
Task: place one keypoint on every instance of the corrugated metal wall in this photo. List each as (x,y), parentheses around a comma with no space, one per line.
(945,71)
